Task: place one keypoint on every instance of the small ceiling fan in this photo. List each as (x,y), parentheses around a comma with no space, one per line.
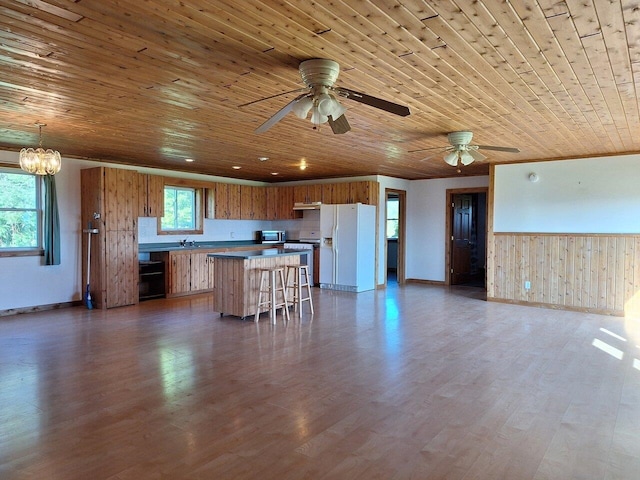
(461,151)
(320,97)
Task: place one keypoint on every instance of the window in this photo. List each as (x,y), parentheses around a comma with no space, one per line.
(20,212)
(182,210)
(392,217)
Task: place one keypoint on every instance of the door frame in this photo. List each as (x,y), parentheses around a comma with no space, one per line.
(402,223)
(449,225)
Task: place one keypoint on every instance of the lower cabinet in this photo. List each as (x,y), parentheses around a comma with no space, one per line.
(189,272)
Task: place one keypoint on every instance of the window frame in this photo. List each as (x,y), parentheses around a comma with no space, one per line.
(197,213)
(39,209)
(387,218)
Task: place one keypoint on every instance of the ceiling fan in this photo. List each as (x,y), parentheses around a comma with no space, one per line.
(320,97)
(461,151)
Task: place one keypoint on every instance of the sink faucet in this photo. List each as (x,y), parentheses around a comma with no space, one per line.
(183,243)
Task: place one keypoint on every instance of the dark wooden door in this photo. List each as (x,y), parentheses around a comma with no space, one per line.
(461,242)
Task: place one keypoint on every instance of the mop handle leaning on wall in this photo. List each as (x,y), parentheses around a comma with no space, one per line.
(87,294)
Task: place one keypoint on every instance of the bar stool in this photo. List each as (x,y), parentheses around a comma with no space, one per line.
(300,280)
(271,283)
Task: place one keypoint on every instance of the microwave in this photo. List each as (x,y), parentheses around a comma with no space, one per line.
(270,236)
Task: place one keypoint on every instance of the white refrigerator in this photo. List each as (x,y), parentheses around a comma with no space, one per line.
(348,247)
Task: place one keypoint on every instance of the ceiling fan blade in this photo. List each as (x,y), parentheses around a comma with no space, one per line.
(476,155)
(499,149)
(375,102)
(339,125)
(280,114)
(424,149)
(272,96)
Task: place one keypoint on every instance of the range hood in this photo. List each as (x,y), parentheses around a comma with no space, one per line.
(307,206)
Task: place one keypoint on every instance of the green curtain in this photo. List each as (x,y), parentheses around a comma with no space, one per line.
(51,222)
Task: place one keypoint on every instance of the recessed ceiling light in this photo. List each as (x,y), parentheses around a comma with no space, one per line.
(263,159)
(236,167)
(188,160)
(274,173)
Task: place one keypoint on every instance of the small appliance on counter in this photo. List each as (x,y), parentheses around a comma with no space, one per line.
(270,236)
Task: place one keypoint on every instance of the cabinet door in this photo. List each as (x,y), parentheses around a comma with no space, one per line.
(211,271)
(179,272)
(246,202)
(341,193)
(234,201)
(327,193)
(121,199)
(150,195)
(285,210)
(259,203)
(199,272)
(142,195)
(273,203)
(155,196)
(315,193)
(121,268)
(222,200)
(300,194)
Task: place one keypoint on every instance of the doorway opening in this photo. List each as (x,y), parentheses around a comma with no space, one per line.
(467,237)
(395,212)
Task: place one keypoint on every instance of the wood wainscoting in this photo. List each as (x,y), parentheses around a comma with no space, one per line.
(587,272)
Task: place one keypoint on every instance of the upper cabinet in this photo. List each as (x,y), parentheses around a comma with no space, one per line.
(309,193)
(227,201)
(150,195)
(354,192)
(253,203)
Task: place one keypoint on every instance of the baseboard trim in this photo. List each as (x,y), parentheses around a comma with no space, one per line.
(39,308)
(598,311)
(424,282)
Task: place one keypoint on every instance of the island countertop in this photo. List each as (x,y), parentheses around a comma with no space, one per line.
(251,254)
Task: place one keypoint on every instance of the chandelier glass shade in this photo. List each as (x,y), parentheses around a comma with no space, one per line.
(40,161)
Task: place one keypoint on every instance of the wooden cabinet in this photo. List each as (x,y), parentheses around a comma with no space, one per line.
(112,196)
(227,201)
(253,203)
(189,272)
(272,203)
(285,204)
(355,192)
(150,195)
(309,193)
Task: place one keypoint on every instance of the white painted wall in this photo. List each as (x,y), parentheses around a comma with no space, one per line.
(595,195)
(24,281)
(426,218)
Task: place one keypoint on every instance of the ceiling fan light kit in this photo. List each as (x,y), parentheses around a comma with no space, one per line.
(321,98)
(461,151)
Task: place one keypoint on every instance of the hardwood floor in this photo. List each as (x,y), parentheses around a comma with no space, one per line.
(415,382)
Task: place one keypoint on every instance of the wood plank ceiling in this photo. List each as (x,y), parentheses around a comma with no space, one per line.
(154,82)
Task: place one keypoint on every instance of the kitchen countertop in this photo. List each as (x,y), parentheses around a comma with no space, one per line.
(249,254)
(169,247)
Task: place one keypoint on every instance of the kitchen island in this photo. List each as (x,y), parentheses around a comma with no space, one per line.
(237,277)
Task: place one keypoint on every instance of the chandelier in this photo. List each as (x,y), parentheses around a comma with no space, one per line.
(40,161)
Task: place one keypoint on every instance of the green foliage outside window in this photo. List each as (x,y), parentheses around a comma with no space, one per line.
(19,210)
(179,209)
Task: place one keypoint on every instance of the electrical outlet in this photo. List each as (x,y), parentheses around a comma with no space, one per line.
(527,285)
(232,234)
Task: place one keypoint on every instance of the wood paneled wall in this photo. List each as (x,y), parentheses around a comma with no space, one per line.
(598,273)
